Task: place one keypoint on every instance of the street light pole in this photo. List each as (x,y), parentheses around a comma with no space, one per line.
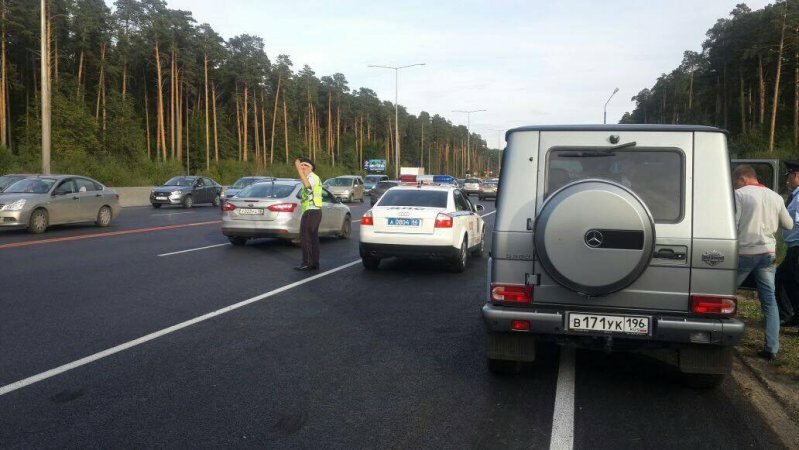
(499,147)
(605,119)
(396,112)
(468,135)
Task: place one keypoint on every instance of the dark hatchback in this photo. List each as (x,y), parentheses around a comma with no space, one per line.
(186,191)
(380,188)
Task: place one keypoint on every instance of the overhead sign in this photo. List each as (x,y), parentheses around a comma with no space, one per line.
(375,165)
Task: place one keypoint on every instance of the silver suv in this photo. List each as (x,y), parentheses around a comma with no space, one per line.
(616,237)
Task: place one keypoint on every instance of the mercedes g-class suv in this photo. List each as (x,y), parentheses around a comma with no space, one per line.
(618,237)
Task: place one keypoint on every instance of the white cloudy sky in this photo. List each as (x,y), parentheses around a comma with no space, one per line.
(524,62)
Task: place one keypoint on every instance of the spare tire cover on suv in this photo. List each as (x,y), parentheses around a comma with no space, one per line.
(594,236)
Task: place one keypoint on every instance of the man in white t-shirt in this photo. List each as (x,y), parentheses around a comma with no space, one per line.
(759,213)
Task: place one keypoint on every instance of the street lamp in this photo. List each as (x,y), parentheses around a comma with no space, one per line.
(396,113)
(605,119)
(499,147)
(468,135)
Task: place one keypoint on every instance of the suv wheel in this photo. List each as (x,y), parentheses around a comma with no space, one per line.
(188,201)
(370,262)
(703,380)
(503,367)
(458,265)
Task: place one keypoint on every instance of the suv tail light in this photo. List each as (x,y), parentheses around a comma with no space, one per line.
(511,294)
(367,219)
(283,207)
(227,206)
(443,221)
(709,304)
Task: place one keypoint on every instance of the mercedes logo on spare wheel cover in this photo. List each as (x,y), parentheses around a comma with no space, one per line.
(593,238)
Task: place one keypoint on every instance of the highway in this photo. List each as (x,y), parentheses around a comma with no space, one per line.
(155,332)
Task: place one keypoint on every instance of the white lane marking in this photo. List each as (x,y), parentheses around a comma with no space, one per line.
(122,347)
(173,214)
(356,221)
(563,417)
(194,249)
(488,214)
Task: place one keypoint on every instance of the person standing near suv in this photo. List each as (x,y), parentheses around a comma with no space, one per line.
(759,212)
(311,214)
(787,279)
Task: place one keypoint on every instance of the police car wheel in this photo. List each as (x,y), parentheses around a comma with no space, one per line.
(458,264)
(478,251)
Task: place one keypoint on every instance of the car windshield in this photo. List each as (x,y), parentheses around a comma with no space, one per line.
(373,178)
(340,182)
(421,198)
(180,181)
(242,183)
(8,180)
(267,190)
(31,186)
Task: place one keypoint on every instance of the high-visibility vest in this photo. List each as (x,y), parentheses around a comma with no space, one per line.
(314,196)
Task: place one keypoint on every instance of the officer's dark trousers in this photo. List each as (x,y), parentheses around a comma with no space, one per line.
(309,237)
(787,285)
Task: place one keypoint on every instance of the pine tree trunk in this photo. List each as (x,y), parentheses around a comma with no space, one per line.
(147,121)
(330,127)
(173,98)
(777,83)
(761,91)
(796,97)
(185,94)
(216,135)
(3,82)
(238,123)
(257,140)
(178,116)
(244,123)
(338,130)
(207,119)
(124,79)
(80,70)
(274,120)
(263,127)
(161,129)
(286,126)
(743,101)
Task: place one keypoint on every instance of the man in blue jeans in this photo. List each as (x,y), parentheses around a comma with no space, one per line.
(759,212)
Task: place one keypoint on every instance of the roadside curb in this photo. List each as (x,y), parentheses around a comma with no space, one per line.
(775,410)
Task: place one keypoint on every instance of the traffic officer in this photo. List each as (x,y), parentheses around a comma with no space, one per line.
(311,214)
(787,278)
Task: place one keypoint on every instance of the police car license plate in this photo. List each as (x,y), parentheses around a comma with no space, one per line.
(398,222)
(250,211)
(637,325)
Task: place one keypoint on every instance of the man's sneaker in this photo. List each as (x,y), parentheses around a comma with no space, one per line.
(768,356)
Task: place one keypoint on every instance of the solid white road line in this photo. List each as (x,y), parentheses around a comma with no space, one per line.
(173,214)
(108,352)
(488,214)
(563,418)
(194,249)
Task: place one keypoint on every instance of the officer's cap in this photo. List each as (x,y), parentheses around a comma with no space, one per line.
(791,166)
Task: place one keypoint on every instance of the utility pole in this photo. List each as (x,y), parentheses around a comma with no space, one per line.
(468,136)
(46,129)
(396,113)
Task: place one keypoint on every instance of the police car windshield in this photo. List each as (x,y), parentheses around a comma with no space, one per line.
(267,190)
(420,198)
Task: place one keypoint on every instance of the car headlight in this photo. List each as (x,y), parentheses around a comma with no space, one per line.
(175,194)
(14,206)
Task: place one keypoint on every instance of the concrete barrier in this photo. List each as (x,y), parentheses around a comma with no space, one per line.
(133,196)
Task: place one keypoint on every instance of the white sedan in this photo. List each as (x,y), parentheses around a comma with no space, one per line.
(436,222)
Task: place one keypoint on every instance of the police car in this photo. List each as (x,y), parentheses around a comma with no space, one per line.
(436,222)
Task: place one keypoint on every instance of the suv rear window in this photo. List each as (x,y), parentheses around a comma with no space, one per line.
(472,180)
(421,198)
(655,175)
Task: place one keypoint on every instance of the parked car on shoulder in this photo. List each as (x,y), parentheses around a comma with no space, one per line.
(431,222)
(616,237)
(38,202)
(11,178)
(472,186)
(186,191)
(371,181)
(380,189)
(347,188)
(272,210)
(242,183)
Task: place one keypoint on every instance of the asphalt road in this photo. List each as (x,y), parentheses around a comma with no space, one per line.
(349,359)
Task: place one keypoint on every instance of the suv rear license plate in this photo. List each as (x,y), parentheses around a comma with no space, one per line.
(397,222)
(250,212)
(637,325)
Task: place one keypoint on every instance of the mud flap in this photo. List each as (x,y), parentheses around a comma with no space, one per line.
(705,359)
(510,346)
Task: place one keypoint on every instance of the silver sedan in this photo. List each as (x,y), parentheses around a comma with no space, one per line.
(272,210)
(38,202)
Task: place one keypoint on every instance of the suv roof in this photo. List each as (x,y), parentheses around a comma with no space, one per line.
(619,127)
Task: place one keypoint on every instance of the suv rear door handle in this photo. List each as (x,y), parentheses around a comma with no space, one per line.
(667,253)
